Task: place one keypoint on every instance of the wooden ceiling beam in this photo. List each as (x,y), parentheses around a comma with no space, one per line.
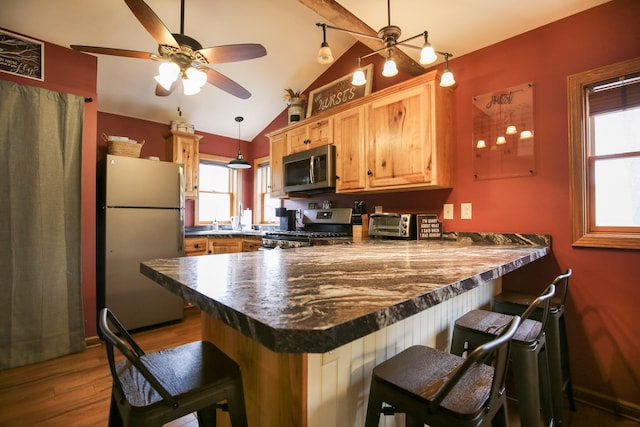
(338,16)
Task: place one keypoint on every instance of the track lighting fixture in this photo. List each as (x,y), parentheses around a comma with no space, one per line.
(389,36)
(324,54)
(239,162)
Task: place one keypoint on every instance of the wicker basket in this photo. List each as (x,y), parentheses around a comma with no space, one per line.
(122,148)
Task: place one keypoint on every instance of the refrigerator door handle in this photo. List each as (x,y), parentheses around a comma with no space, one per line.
(182,208)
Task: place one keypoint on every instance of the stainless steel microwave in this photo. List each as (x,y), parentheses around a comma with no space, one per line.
(310,171)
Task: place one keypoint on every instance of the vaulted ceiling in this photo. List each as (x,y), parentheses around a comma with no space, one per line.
(286,28)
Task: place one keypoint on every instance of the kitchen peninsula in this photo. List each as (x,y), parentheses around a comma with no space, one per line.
(308,325)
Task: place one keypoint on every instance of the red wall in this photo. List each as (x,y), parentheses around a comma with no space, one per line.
(69,71)
(602,308)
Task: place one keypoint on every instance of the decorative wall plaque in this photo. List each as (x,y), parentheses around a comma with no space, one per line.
(21,56)
(338,92)
(503,135)
(429,228)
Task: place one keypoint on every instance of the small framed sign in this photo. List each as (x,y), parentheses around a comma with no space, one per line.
(429,228)
(338,92)
(21,56)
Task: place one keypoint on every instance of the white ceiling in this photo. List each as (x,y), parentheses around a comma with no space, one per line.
(285,28)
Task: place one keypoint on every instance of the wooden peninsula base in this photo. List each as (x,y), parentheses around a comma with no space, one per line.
(331,389)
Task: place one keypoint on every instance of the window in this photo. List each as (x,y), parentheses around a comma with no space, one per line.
(265,206)
(218,190)
(604,149)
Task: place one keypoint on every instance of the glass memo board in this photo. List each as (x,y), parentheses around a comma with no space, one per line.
(503,134)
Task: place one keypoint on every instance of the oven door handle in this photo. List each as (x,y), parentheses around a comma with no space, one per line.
(312,171)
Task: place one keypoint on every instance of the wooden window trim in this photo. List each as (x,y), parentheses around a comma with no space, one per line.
(580,201)
(232,199)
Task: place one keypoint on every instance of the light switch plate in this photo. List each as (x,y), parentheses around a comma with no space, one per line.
(465,210)
(447,211)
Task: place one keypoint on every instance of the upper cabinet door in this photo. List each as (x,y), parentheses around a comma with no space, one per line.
(400,138)
(311,135)
(350,153)
(184,148)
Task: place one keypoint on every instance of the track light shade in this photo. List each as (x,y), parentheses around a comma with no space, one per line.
(324,54)
(390,69)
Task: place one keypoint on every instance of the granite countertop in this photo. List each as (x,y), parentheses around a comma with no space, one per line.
(312,300)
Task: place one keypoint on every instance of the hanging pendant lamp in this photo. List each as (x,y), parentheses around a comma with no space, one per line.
(239,162)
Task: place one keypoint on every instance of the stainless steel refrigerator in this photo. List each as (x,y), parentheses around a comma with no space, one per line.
(141,217)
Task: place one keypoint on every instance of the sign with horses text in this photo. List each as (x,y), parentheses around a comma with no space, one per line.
(338,92)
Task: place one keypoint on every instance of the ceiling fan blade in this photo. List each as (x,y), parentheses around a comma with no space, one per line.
(161,91)
(233,52)
(225,83)
(151,22)
(112,51)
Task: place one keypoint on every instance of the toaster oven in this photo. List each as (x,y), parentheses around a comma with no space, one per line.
(392,225)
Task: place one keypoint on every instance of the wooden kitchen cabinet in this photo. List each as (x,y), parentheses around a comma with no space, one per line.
(408,141)
(399,138)
(277,147)
(195,246)
(348,136)
(311,135)
(184,148)
(251,245)
(225,245)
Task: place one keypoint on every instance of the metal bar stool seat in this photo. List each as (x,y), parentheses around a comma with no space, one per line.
(510,302)
(441,389)
(528,356)
(156,388)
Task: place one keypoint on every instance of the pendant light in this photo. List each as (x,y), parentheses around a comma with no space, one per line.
(239,162)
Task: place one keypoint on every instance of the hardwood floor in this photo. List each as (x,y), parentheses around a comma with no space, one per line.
(74,390)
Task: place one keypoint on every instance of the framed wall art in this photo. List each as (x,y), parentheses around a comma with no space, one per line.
(338,92)
(21,56)
(503,133)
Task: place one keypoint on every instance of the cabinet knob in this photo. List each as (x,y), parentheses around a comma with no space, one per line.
(369,173)
(337,178)
(197,245)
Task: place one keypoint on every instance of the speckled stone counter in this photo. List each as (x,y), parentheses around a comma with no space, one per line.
(308,325)
(312,300)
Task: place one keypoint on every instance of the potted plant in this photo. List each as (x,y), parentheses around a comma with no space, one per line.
(295,100)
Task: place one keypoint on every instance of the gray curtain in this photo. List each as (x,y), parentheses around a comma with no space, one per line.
(40,222)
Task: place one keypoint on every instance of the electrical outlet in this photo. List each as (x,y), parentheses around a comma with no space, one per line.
(465,210)
(447,211)
(378,209)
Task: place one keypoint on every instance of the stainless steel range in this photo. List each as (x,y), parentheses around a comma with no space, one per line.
(321,227)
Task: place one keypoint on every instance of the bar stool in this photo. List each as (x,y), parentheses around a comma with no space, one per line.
(153,389)
(441,389)
(529,360)
(556,333)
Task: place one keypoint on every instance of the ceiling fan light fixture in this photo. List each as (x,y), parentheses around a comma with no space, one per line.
(197,76)
(167,74)
(190,87)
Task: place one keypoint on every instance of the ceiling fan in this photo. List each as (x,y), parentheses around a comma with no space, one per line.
(183,58)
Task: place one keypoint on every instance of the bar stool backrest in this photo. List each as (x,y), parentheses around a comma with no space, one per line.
(131,350)
(562,284)
(496,353)
(544,300)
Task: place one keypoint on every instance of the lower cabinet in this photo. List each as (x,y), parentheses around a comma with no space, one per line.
(220,245)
